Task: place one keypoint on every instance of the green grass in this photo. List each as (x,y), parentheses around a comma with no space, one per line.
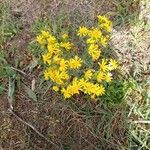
(127,12)
(137,97)
(8,26)
(139,114)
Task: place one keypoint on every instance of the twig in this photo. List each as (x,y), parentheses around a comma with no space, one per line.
(33,128)
(141,121)
(18,70)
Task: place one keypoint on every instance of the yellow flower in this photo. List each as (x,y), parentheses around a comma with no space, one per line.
(47,58)
(56,59)
(61,61)
(65,36)
(88,74)
(104,41)
(46,74)
(64,75)
(106,26)
(66,93)
(54,48)
(55,75)
(75,62)
(102,19)
(101,90)
(94,51)
(100,76)
(86,87)
(93,89)
(113,64)
(82,82)
(55,88)
(41,40)
(90,88)
(45,34)
(71,89)
(63,65)
(91,41)
(103,66)
(51,40)
(93,47)
(105,23)
(83,31)
(98,90)
(95,33)
(74,87)
(66,45)
(108,77)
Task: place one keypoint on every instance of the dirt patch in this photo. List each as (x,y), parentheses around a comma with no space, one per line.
(67,128)
(29,10)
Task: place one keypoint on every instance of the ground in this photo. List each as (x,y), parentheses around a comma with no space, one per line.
(45,121)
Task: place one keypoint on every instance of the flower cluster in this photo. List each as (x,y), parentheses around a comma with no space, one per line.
(68,71)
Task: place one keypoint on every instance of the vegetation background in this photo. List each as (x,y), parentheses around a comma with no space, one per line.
(40,120)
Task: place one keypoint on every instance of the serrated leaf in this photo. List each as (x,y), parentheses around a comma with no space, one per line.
(30,93)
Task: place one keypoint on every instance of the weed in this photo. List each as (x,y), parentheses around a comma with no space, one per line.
(139,102)
(8,27)
(116,91)
(126,14)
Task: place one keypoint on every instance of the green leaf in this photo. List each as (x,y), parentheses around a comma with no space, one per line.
(30,93)
(2,59)
(11,91)
(1,89)
(33,64)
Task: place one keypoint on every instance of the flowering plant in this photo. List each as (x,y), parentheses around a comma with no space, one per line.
(75,69)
